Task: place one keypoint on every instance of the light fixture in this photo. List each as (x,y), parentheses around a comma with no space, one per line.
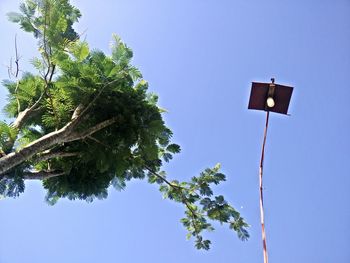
(275,98)
(270,102)
(270,97)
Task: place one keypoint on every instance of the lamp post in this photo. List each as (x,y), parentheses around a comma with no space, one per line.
(275,98)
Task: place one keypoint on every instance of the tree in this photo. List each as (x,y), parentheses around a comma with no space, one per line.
(85,121)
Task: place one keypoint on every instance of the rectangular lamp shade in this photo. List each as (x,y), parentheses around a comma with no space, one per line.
(259,94)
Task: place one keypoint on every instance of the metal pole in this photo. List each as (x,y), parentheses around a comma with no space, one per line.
(261,190)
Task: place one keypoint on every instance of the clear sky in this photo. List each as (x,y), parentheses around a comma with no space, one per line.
(201,56)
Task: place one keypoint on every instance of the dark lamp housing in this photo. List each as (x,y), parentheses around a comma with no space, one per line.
(270,97)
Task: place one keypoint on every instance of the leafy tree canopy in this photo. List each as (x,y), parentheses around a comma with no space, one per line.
(85,121)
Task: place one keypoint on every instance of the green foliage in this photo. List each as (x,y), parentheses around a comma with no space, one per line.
(50,21)
(23,94)
(7,134)
(80,50)
(75,83)
(201,208)
(13,186)
(121,54)
(27,136)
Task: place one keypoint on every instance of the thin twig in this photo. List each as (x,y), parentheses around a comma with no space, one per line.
(17,58)
(96,97)
(82,135)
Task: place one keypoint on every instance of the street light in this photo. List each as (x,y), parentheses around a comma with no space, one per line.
(275,98)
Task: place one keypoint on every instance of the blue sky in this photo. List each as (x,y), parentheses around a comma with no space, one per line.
(201,56)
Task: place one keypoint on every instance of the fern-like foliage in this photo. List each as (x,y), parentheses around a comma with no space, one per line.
(88,87)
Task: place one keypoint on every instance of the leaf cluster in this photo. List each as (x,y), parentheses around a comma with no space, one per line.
(89,88)
(14,185)
(50,21)
(201,207)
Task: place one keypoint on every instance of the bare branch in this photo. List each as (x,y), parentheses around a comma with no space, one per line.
(17,58)
(21,118)
(52,72)
(77,112)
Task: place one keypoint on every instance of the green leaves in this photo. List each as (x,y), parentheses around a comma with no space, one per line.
(23,94)
(86,89)
(29,8)
(118,183)
(13,184)
(80,50)
(8,134)
(25,21)
(202,244)
(50,21)
(14,17)
(200,208)
(121,54)
(11,187)
(173,148)
(27,136)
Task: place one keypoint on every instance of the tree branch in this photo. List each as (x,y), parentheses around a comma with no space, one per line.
(77,112)
(17,58)
(82,135)
(25,114)
(82,110)
(42,175)
(45,142)
(16,75)
(162,178)
(99,142)
(183,197)
(177,187)
(36,175)
(49,155)
(65,134)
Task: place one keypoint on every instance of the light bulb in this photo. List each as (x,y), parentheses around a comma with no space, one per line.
(270,102)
